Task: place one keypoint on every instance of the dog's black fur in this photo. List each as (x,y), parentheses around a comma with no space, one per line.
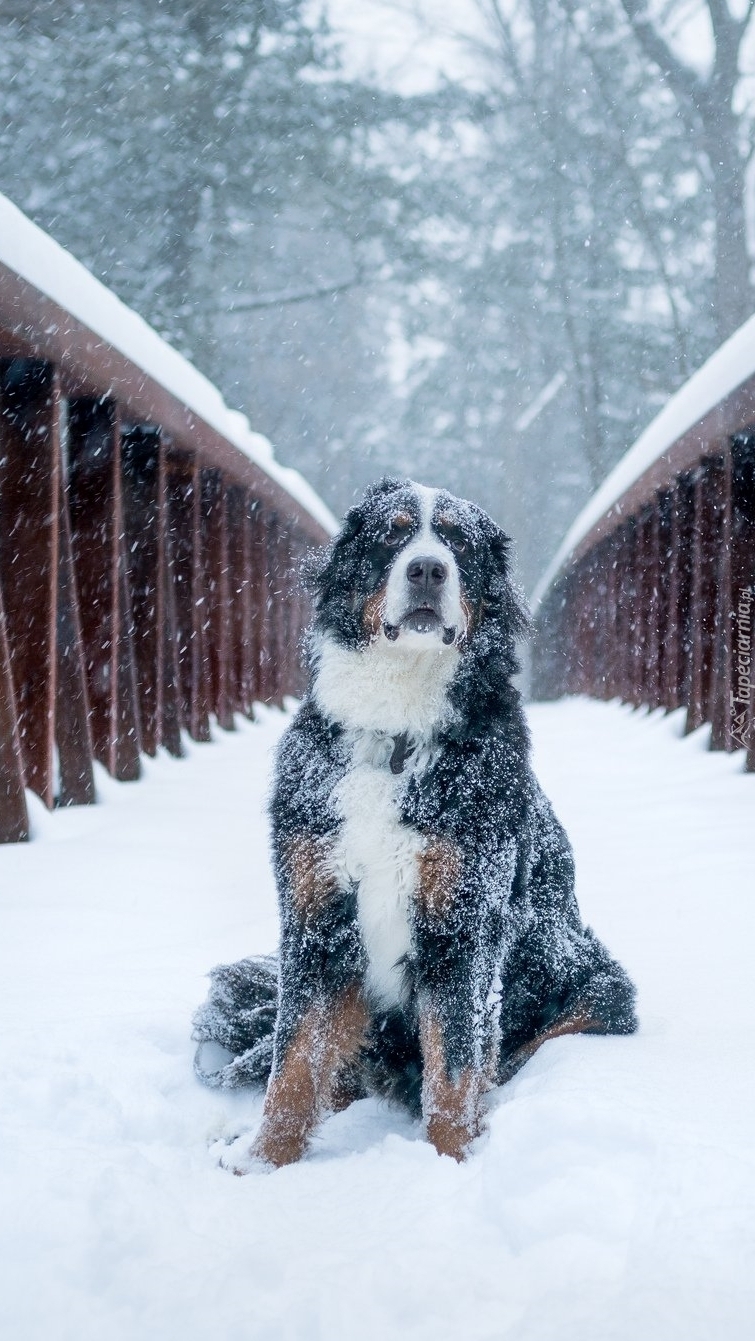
(499,963)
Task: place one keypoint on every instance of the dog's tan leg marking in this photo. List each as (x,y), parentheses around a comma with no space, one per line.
(328,1038)
(452,1108)
(580,1021)
(439,872)
(312,881)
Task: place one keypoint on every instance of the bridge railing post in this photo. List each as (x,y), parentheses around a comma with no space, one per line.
(95,499)
(29,545)
(14,817)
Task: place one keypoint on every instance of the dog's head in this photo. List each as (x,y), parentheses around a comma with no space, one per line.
(416,567)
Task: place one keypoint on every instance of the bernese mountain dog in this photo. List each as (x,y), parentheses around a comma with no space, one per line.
(430,934)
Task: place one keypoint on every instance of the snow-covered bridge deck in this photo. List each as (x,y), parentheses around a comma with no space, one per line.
(613,1199)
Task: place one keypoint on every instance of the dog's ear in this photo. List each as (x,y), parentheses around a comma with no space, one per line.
(323,570)
(503,600)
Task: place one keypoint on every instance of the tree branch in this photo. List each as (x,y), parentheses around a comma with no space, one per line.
(283,297)
(682,80)
(728,35)
(501,23)
(722,20)
(645,222)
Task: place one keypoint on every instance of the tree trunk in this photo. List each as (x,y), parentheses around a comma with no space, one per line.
(733,297)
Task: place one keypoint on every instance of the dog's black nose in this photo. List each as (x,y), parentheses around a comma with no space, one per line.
(426,574)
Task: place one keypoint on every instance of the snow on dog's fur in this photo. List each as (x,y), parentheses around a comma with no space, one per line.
(430,935)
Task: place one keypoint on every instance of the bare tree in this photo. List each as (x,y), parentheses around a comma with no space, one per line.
(707,103)
(575,119)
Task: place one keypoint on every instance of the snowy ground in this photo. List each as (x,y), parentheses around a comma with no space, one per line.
(613,1198)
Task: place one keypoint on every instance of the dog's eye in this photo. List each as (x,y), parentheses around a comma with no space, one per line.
(458,544)
(399,528)
(393,539)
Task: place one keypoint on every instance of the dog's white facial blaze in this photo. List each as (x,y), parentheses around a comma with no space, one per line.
(401,597)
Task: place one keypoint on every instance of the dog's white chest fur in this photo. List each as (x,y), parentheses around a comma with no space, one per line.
(378,853)
(378,692)
(382,688)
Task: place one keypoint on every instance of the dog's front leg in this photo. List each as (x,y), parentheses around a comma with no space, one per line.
(322,1017)
(454,969)
(451,1095)
(306,1068)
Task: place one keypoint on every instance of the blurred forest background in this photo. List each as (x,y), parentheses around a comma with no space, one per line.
(490,281)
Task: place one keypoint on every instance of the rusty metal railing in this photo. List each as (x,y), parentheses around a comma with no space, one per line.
(652,599)
(148,567)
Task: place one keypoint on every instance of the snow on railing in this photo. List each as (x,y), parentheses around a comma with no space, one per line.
(651,597)
(149,541)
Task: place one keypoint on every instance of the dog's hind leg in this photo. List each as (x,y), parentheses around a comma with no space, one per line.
(304,1078)
(578,1021)
(591,994)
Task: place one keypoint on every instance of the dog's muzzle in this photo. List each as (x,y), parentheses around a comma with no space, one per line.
(426,577)
(425,582)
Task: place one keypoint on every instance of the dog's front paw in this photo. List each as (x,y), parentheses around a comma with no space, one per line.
(279,1143)
(241,1159)
(453,1138)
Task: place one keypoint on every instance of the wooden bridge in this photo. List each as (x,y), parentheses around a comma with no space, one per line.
(149,547)
(651,598)
(148,565)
